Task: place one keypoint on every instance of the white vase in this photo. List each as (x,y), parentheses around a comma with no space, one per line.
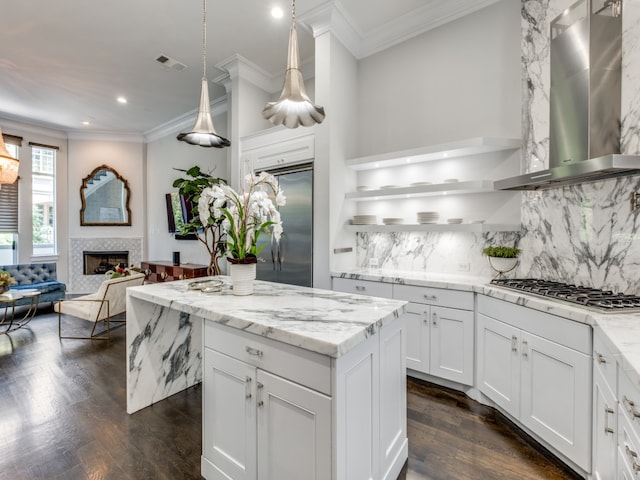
(242,277)
(502,265)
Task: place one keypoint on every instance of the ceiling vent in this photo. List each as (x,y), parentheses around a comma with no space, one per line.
(171,63)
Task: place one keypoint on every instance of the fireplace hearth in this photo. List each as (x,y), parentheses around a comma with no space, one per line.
(100,262)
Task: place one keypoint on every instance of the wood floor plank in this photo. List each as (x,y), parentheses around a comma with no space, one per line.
(63,417)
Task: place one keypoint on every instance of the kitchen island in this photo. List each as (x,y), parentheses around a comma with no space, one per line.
(298,382)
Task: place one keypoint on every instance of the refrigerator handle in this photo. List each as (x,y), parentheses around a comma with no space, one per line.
(273,255)
(281,251)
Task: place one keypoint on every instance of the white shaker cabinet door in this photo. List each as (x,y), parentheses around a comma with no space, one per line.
(499,363)
(229,418)
(294,430)
(556,392)
(604,429)
(417,324)
(452,344)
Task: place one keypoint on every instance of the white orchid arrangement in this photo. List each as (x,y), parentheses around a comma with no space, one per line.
(244,215)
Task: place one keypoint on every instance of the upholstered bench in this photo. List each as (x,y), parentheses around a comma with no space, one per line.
(38,276)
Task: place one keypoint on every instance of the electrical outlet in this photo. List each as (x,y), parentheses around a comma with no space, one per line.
(373,263)
(464,267)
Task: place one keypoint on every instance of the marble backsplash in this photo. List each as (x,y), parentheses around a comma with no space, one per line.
(434,252)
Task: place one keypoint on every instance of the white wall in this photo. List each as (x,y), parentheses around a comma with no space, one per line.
(458,81)
(163,156)
(127,159)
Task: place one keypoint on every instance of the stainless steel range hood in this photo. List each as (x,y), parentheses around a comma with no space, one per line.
(584,123)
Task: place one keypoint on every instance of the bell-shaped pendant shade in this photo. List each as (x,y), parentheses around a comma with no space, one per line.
(203,133)
(8,164)
(294,108)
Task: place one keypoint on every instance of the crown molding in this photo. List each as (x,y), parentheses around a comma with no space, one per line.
(218,107)
(332,16)
(30,126)
(105,136)
(237,66)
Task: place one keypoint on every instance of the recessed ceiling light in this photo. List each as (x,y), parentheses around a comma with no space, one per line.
(277,12)
(86,122)
(122,100)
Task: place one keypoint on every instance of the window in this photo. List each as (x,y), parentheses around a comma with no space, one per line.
(9,222)
(44,200)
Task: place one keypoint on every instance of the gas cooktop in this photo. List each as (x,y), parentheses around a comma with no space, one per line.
(599,300)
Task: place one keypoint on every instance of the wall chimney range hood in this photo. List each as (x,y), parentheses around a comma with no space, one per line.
(585,100)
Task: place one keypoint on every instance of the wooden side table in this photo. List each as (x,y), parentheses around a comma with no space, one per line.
(167,271)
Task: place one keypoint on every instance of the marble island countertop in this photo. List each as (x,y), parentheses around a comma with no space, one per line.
(621,330)
(322,321)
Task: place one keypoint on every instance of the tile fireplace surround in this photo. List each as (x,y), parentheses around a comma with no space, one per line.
(80,283)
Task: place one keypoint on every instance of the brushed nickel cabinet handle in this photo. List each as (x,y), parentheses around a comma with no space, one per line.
(360,288)
(525,350)
(433,298)
(632,456)
(608,411)
(631,407)
(425,317)
(260,401)
(600,358)
(514,343)
(435,319)
(254,351)
(247,382)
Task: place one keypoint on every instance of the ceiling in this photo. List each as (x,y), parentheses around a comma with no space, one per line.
(66,61)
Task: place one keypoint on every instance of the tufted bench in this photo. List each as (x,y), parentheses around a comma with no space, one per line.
(39,276)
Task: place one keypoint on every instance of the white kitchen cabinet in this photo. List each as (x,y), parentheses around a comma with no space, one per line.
(605,408)
(537,368)
(440,339)
(276,148)
(292,424)
(294,430)
(363,287)
(277,412)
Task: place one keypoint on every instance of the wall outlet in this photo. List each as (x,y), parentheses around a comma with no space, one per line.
(373,263)
(464,267)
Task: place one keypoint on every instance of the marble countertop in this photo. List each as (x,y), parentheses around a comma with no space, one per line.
(622,331)
(322,321)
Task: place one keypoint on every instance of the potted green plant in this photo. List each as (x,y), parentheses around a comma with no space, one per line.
(211,233)
(502,258)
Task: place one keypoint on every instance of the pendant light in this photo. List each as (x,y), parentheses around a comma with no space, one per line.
(8,164)
(294,108)
(203,133)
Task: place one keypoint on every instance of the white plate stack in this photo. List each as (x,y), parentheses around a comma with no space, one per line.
(454,221)
(364,219)
(393,221)
(428,217)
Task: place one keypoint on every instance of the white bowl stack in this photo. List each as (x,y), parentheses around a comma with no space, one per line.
(454,221)
(393,221)
(364,220)
(428,217)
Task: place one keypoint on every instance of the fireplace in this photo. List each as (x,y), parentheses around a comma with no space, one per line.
(99,262)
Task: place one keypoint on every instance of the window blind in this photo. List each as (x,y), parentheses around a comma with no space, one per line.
(9,207)
(12,139)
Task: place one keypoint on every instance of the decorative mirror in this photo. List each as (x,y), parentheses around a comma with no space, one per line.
(105,199)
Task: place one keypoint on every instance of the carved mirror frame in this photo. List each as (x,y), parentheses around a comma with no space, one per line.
(127,193)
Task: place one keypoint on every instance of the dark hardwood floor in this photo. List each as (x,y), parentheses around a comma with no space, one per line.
(63,416)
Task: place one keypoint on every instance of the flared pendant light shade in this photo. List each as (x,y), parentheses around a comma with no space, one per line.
(294,108)
(203,133)
(8,164)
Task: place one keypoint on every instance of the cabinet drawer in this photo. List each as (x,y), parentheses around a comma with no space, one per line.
(296,364)
(629,398)
(434,296)
(604,361)
(628,446)
(284,153)
(363,287)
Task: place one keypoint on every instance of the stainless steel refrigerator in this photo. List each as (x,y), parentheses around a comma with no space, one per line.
(290,260)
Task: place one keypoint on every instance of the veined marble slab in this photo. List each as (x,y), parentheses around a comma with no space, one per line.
(164,327)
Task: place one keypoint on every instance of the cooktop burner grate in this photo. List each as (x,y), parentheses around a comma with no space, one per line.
(599,300)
